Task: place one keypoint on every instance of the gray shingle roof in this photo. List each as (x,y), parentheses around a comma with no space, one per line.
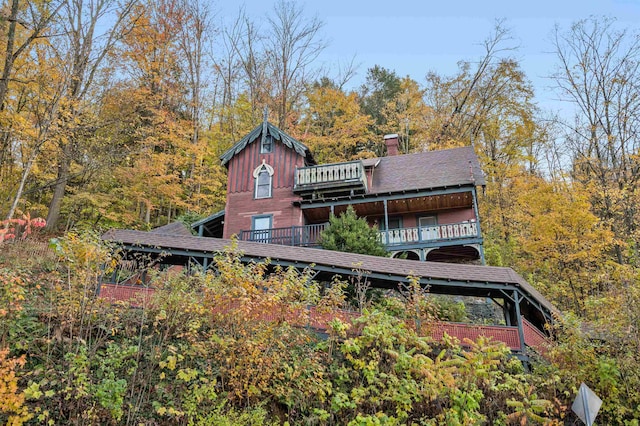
(381,265)
(426,170)
(173,228)
(212,217)
(277,134)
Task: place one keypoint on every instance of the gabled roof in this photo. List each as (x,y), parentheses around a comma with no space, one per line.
(427,170)
(277,134)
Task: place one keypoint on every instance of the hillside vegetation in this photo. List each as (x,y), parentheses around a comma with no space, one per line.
(189,356)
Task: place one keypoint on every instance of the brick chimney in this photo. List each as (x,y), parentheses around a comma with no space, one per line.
(391,141)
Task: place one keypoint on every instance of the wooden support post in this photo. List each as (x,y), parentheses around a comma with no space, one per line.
(475,211)
(506,313)
(516,302)
(386,221)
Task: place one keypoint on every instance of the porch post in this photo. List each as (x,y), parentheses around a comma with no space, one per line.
(386,222)
(386,216)
(516,300)
(505,312)
(475,211)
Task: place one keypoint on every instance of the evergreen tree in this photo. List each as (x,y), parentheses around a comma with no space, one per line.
(349,233)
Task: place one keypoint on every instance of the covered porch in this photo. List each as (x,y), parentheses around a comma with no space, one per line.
(417,222)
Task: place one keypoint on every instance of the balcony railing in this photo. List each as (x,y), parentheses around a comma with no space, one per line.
(334,176)
(300,236)
(307,235)
(448,231)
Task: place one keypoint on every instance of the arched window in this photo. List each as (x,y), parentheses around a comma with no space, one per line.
(263,175)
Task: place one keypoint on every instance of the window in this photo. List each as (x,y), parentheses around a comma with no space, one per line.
(392,236)
(263,175)
(395,222)
(428,228)
(261,228)
(427,221)
(266,146)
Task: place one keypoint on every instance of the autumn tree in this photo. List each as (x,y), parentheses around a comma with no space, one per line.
(29,94)
(489,104)
(332,124)
(382,86)
(597,73)
(84,48)
(292,45)
(18,43)
(244,58)
(561,244)
(406,115)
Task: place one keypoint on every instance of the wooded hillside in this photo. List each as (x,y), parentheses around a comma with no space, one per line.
(115,113)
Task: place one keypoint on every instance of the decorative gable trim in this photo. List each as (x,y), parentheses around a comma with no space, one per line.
(277,134)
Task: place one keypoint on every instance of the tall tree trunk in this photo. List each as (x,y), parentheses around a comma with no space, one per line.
(64,166)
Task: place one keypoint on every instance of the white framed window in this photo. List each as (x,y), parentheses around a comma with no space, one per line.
(261,228)
(426,221)
(263,175)
(428,228)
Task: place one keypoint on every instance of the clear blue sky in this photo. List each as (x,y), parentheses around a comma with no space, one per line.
(414,37)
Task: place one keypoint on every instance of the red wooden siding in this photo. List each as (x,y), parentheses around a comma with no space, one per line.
(443,217)
(311,317)
(135,295)
(241,204)
(283,160)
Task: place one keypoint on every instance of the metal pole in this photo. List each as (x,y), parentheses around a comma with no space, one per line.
(585,403)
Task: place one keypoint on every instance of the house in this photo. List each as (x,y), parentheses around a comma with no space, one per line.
(424,205)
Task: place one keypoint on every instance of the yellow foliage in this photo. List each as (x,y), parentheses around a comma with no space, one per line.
(12,406)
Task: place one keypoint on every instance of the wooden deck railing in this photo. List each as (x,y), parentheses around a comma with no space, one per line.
(352,171)
(299,236)
(448,231)
(534,337)
(318,320)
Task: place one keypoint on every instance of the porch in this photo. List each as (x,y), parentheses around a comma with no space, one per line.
(298,236)
(308,235)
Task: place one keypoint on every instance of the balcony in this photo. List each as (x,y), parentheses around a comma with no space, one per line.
(331,179)
(436,233)
(307,236)
(299,236)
